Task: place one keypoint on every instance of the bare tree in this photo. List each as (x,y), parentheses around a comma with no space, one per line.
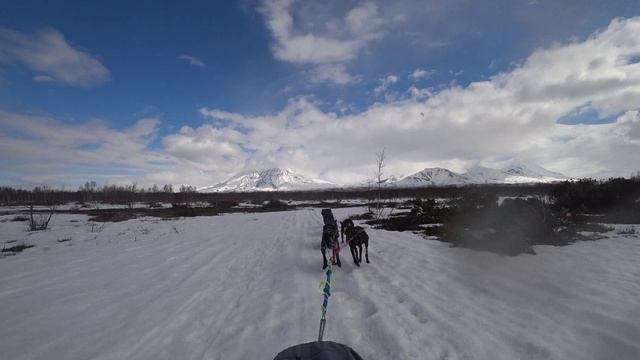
(380,172)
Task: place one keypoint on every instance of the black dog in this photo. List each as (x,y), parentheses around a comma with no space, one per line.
(343,225)
(356,237)
(330,239)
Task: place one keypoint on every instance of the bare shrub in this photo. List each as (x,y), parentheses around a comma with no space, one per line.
(39,221)
(96,228)
(422,212)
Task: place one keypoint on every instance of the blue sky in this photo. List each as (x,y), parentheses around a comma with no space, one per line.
(207,76)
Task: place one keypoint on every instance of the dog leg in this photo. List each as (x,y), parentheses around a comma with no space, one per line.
(354,255)
(366,249)
(324,260)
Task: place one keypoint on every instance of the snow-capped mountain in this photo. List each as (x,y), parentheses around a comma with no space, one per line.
(277,179)
(516,172)
(481,174)
(267,180)
(432,177)
(529,170)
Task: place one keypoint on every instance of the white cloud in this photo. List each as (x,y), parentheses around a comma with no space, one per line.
(332,73)
(385,83)
(45,148)
(358,27)
(340,40)
(221,115)
(421,74)
(514,113)
(192,60)
(49,54)
(416,93)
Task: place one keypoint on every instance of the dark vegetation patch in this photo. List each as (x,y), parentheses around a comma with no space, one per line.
(328,204)
(15,249)
(111,215)
(63,240)
(570,211)
(223,204)
(182,210)
(175,211)
(421,212)
(20,218)
(276,205)
(477,222)
(364,216)
(615,201)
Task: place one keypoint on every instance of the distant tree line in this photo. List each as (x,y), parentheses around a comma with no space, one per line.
(590,194)
(127,194)
(596,196)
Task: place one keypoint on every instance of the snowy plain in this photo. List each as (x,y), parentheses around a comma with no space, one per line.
(245,286)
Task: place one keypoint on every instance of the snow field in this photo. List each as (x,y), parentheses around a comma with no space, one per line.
(245,286)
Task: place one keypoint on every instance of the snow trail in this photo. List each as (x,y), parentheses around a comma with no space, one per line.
(245,286)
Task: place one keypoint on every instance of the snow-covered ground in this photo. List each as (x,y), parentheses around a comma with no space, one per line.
(245,286)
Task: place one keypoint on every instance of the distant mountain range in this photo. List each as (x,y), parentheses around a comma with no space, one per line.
(516,173)
(268,180)
(277,179)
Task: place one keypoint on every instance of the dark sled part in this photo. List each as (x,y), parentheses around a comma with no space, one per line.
(327,217)
(318,350)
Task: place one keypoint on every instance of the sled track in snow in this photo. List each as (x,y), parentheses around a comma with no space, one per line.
(245,286)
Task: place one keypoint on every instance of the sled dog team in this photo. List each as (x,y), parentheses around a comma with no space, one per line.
(356,237)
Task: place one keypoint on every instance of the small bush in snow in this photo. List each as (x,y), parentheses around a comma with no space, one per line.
(39,221)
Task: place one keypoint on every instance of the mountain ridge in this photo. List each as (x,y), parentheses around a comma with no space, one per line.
(277,179)
(270,179)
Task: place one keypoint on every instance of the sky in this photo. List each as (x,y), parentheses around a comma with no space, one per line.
(147,92)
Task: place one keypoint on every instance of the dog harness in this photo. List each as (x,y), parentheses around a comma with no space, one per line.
(358,230)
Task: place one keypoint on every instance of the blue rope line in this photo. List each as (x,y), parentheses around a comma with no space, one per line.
(326,291)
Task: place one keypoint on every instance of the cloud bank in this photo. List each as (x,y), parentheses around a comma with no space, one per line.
(512,114)
(47,53)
